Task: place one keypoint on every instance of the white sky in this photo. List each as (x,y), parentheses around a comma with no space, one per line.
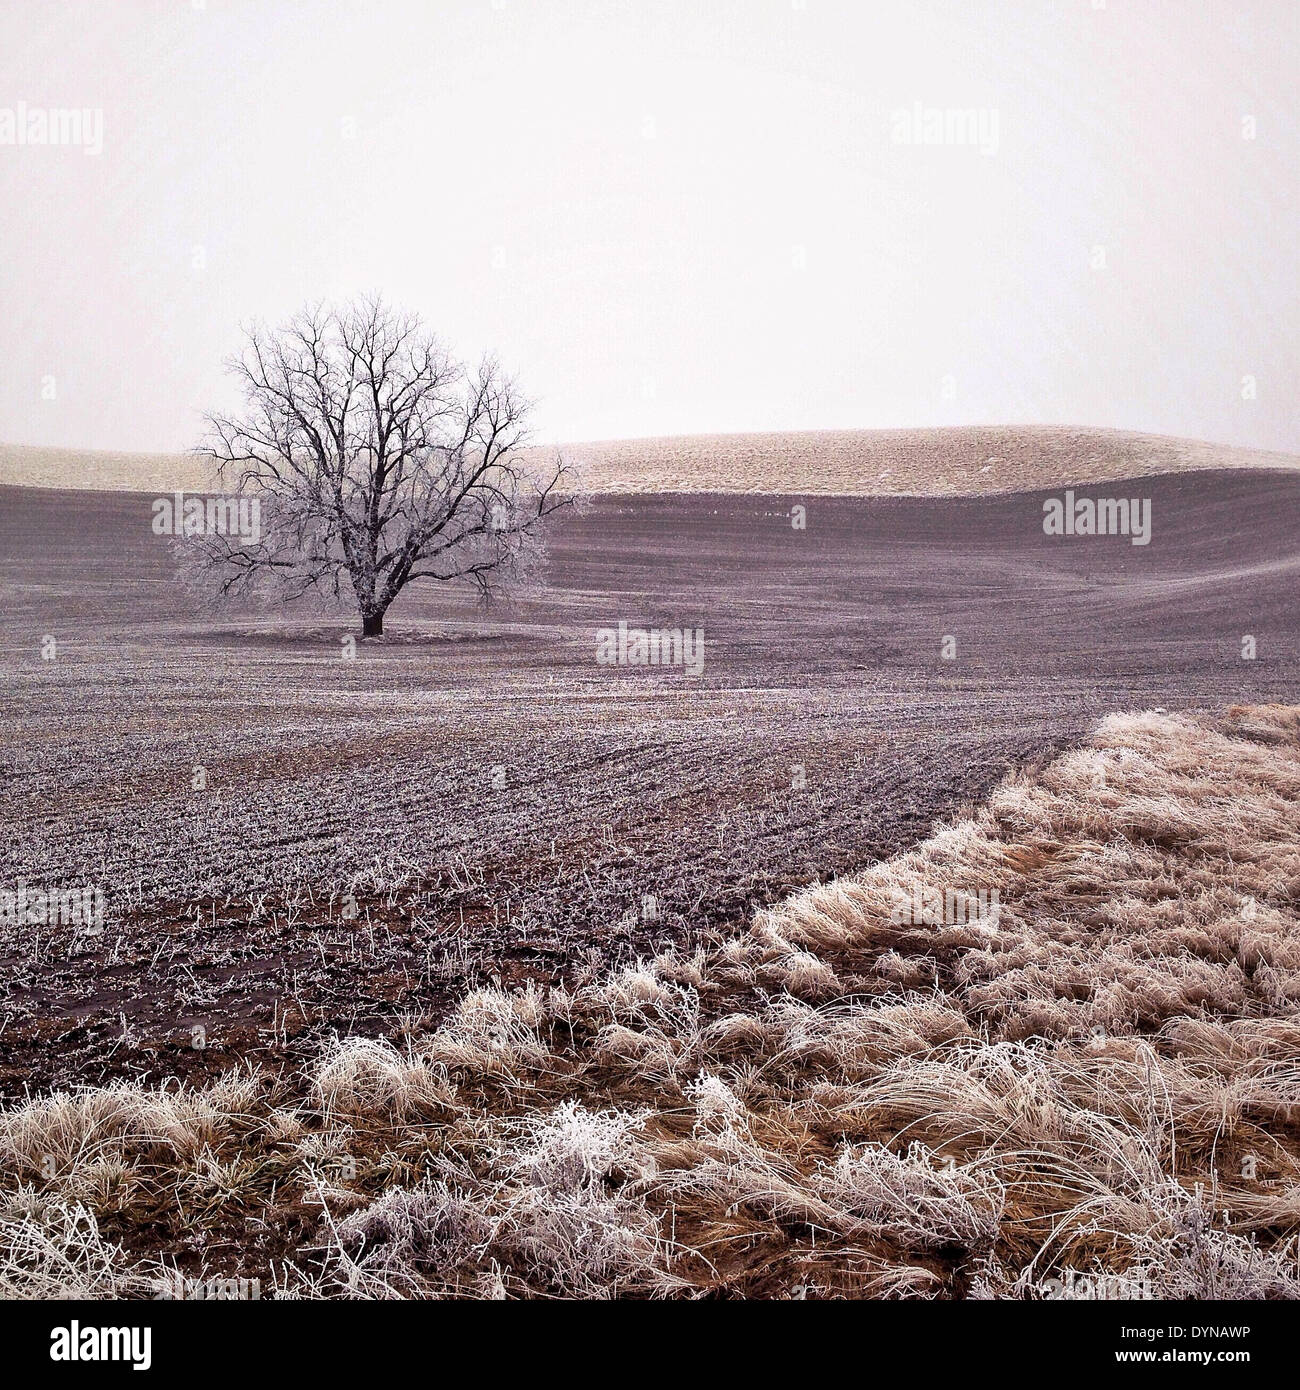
(667,217)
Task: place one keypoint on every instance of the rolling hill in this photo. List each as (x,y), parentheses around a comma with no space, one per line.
(965,461)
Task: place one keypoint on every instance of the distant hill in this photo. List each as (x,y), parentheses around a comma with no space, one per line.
(961,461)
(31,466)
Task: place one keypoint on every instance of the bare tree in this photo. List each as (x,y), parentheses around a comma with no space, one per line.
(377,460)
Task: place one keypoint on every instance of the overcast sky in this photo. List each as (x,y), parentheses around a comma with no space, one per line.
(668,217)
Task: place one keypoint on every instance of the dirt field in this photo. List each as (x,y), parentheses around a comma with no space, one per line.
(961,461)
(498,805)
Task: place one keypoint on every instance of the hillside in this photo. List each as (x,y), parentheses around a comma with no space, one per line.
(963,461)
(869,463)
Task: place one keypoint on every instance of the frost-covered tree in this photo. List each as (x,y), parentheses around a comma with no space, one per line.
(378,460)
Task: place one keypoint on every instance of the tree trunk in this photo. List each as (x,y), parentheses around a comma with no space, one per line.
(372,624)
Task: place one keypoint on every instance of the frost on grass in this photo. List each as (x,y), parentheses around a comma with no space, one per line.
(916,1199)
(53,1250)
(560,1215)
(1091,1094)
